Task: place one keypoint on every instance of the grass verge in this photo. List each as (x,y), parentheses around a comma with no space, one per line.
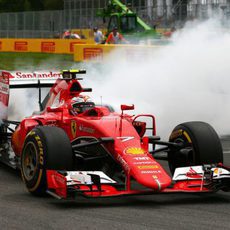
(30,61)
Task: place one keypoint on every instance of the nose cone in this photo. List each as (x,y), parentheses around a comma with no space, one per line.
(148,172)
(155,179)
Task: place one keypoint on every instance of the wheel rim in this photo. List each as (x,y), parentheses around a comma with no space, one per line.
(29,161)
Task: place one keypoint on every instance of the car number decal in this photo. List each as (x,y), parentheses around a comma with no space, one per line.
(123,139)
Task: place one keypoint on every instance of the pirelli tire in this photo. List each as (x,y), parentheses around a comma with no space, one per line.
(201,145)
(45,148)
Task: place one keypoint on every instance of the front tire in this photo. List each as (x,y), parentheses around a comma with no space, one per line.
(45,148)
(201,145)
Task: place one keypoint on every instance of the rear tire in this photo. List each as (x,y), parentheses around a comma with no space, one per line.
(45,148)
(201,145)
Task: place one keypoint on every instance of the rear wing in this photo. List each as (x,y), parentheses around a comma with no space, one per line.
(42,79)
(23,80)
(19,79)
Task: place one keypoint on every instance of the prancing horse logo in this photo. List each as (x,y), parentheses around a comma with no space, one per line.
(73,128)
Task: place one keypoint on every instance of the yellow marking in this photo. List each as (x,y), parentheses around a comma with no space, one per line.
(39,144)
(37,183)
(31,133)
(187,137)
(37,138)
(134,151)
(148,167)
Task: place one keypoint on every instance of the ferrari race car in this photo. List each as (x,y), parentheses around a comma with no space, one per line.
(73,147)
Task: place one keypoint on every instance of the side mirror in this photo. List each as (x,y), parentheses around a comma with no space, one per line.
(127,107)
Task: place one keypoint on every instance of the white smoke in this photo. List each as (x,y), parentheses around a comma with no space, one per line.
(22,103)
(3,112)
(185,81)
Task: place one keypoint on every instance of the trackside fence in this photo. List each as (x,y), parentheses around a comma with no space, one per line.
(82,15)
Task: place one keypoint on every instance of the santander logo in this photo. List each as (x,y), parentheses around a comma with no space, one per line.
(34,75)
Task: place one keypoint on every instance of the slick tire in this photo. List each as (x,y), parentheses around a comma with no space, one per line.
(45,148)
(201,145)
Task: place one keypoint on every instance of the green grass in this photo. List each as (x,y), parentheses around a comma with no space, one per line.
(32,61)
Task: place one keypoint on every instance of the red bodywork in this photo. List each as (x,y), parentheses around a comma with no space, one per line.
(130,148)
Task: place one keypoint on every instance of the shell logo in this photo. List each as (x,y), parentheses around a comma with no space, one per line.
(134,151)
(217,171)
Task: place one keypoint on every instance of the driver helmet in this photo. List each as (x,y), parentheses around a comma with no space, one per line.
(82,103)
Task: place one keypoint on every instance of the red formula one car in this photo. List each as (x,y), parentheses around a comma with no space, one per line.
(73,147)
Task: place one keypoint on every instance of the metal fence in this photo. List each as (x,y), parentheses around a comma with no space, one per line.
(82,14)
(36,24)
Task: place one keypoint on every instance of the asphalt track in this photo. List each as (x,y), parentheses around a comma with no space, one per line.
(20,210)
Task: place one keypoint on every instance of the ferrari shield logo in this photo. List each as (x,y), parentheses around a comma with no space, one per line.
(73,128)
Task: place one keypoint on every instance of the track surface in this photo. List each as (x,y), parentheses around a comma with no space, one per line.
(20,210)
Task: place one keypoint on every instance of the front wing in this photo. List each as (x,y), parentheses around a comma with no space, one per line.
(194,179)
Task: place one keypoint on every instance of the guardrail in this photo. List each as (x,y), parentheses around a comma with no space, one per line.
(96,52)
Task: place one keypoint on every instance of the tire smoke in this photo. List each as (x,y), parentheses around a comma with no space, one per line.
(185,81)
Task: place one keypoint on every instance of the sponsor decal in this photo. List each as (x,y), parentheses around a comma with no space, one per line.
(142,162)
(48,47)
(86,129)
(71,47)
(59,179)
(50,74)
(93,53)
(193,174)
(4,89)
(151,172)
(40,146)
(31,133)
(155,177)
(148,167)
(5,76)
(142,158)
(73,128)
(134,151)
(124,139)
(21,46)
(136,55)
(217,172)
